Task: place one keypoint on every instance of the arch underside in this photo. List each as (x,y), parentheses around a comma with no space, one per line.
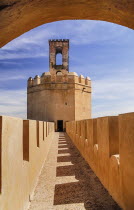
(20,16)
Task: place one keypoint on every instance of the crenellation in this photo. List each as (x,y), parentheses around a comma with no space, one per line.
(81,79)
(72,77)
(88,81)
(30,82)
(21,159)
(36,80)
(43,74)
(46,77)
(42,78)
(58,40)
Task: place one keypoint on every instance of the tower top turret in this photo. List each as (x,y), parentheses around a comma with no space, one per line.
(57,46)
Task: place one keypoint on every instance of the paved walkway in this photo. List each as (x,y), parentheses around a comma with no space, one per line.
(68,183)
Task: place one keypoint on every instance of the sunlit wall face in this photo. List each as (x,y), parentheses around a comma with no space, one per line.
(100,50)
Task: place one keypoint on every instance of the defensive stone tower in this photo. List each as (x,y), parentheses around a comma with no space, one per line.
(59,95)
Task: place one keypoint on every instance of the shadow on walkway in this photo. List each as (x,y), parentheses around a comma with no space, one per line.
(87,188)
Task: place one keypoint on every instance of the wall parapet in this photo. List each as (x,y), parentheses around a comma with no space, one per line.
(23,149)
(46,77)
(107,144)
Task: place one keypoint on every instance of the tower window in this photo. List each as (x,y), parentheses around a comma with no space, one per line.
(58,59)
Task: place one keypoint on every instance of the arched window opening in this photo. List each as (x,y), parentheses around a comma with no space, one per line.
(59,59)
(58,73)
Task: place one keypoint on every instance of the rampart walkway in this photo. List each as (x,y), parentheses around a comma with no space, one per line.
(68,183)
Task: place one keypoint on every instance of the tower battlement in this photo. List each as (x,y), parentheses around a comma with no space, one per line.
(46,77)
(58,40)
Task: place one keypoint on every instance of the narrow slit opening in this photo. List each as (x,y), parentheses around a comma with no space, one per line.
(26,140)
(37,132)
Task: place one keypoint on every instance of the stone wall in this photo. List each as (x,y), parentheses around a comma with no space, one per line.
(24,145)
(107,144)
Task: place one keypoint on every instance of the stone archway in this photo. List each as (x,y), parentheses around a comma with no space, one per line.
(19,16)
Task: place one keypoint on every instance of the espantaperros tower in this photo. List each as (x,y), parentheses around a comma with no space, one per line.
(59,95)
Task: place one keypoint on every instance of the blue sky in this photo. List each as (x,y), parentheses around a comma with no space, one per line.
(101,50)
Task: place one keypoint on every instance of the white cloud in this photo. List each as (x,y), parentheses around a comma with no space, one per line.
(13,103)
(11,77)
(86,31)
(28,45)
(113,96)
(28,40)
(113,88)
(101,111)
(9,62)
(14,55)
(79,32)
